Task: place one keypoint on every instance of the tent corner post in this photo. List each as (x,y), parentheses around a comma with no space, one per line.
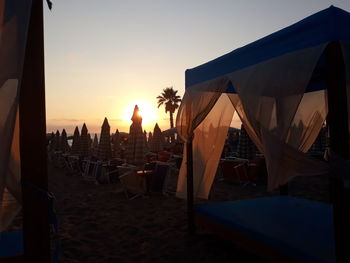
(32,119)
(339,144)
(190,197)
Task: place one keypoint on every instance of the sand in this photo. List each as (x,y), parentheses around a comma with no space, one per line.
(97,223)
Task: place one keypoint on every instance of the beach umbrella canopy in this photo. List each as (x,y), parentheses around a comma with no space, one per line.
(76,141)
(116,144)
(158,141)
(104,151)
(246,148)
(64,143)
(84,145)
(135,149)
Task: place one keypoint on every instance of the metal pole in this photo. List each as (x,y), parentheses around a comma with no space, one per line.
(190,199)
(339,144)
(36,232)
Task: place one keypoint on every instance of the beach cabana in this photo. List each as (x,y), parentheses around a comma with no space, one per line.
(283,87)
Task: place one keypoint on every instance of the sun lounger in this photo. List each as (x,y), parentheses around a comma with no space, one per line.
(134,185)
(158,178)
(235,170)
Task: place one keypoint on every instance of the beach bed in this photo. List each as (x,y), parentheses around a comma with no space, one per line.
(278,229)
(11,246)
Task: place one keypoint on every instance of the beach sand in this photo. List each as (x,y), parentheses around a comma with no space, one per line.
(98,224)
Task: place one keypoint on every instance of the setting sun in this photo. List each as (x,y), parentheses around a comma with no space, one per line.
(146,111)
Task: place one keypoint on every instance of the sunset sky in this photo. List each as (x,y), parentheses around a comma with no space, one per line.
(105,56)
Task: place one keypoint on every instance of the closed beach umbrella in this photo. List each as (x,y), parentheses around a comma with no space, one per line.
(158,141)
(56,141)
(104,151)
(150,136)
(135,149)
(145,136)
(95,145)
(75,143)
(246,148)
(64,143)
(116,144)
(84,142)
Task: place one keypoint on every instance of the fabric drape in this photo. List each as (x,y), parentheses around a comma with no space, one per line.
(14,18)
(282,120)
(208,142)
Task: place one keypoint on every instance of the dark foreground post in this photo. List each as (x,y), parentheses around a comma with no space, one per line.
(284,189)
(339,144)
(190,200)
(36,232)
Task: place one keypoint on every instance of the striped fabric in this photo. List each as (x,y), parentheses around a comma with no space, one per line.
(150,137)
(158,141)
(135,149)
(116,144)
(84,145)
(76,142)
(104,151)
(146,142)
(56,141)
(246,148)
(95,145)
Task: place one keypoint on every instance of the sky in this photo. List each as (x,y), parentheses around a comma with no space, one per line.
(104,56)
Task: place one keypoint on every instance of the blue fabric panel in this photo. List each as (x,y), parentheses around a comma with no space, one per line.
(11,243)
(327,25)
(300,228)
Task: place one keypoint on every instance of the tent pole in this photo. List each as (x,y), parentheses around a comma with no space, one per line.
(190,199)
(339,144)
(36,232)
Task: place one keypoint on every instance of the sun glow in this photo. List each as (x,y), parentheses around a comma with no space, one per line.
(147,111)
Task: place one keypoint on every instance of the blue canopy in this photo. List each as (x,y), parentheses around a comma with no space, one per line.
(328,25)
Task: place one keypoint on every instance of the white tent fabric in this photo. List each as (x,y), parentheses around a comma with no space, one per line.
(14,17)
(282,115)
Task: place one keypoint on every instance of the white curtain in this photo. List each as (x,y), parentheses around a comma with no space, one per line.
(281,119)
(14,17)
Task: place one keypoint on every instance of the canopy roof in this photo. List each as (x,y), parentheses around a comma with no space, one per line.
(328,25)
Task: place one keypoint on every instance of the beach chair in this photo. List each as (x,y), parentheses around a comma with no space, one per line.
(89,172)
(235,170)
(159,178)
(134,185)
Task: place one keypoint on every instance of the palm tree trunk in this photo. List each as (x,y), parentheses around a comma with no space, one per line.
(171,120)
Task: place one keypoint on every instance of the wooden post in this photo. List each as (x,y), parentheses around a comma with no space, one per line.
(36,232)
(190,199)
(339,144)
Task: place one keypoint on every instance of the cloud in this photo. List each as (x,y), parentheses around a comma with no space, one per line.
(65,120)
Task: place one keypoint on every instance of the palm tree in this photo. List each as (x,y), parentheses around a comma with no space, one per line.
(171,102)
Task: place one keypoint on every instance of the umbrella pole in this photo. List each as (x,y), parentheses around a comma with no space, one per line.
(190,199)
(339,144)
(36,232)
